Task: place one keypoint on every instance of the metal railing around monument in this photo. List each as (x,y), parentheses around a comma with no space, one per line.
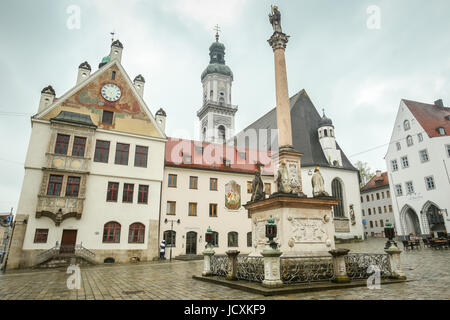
(357,265)
(306,269)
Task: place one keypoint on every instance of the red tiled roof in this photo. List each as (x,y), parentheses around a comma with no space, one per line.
(186,154)
(376,182)
(430,117)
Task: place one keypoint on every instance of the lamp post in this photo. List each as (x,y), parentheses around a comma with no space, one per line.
(271,232)
(390,234)
(171,233)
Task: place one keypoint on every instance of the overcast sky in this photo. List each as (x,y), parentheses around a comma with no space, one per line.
(358,74)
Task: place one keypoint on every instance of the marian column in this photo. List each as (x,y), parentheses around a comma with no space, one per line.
(288,159)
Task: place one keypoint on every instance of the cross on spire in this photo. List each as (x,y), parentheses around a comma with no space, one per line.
(112,36)
(217,29)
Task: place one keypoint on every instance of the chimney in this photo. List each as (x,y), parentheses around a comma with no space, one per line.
(47,98)
(439,103)
(139,83)
(378,172)
(160,118)
(84,71)
(116,51)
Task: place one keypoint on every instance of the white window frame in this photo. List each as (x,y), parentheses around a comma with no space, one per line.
(394,165)
(447,149)
(403,164)
(398,187)
(426,153)
(399,146)
(409,141)
(420,137)
(406,125)
(408,189)
(426,183)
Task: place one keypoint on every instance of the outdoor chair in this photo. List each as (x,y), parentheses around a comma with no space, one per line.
(426,243)
(405,244)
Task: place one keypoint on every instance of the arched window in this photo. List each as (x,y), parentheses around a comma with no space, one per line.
(331,132)
(409,141)
(111,232)
(336,188)
(406,125)
(221,100)
(136,233)
(211,94)
(325,132)
(232,239)
(222,135)
(204,134)
(249,239)
(170,236)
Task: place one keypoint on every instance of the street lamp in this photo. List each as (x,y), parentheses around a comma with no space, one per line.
(271,232)
(389,233)
(208,237)
(171,233)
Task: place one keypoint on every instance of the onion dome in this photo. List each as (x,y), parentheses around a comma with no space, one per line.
(139,78)
(161,112)
(217,61)
(85,65)
(49,90)
(325,121)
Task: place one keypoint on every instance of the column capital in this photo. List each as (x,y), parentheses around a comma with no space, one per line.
(278,40)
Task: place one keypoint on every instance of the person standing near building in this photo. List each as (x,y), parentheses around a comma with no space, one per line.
(162,249)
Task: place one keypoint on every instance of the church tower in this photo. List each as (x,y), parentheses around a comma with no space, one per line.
(217,113)
(328,141)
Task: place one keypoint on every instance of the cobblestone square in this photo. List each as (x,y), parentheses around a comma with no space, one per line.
(165,281)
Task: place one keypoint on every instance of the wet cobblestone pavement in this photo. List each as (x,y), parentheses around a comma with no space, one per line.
(429,268)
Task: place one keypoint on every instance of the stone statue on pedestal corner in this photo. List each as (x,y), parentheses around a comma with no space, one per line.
(258,188)
(318,184)
(283,181)
(275,19)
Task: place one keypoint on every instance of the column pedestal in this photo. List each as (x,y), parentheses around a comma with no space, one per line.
(207,254)
(272,274)
(232,264)
(340,271)
(394,259)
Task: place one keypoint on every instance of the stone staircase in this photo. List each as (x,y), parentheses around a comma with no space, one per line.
(63,256)
(189,257)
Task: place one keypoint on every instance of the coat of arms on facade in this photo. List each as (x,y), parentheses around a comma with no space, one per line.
(232,195)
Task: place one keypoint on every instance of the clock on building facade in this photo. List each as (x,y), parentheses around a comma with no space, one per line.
(111,92)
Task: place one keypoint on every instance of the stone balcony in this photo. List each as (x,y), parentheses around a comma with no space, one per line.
(59,208)
(68,163)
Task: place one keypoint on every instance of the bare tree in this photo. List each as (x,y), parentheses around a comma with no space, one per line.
(365,172)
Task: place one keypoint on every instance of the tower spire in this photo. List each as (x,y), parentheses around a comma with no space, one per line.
(217,29)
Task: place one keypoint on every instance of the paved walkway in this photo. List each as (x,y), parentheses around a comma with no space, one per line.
(166,280)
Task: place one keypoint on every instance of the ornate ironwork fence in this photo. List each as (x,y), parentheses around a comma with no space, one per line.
(250,268)
(306,269)
(219,265)
(357,265)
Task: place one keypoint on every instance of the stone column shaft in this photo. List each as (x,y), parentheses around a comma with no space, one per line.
(340,271)
(207,255)
(232,263)
(394,259)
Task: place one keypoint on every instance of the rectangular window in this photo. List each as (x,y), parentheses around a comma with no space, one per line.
(112,192)
(192,208)
(429,182)
(143,194)
(193,182)
(372,197)
(172,180)
(379,210)
(363,212)
(394,165)
(423,155)
(268,187)
(367,198)
(140,159)
(79,146)
(362,200)
(378,196)
(405,163)
(54,185)
(371,224)
(398,189)
(122,151)
(376,224)
(420,137)
(171,208)
(381,223)
(399,147)
(107,117)
(385,209)
(382,195)
(101,151)
(62,144)
(409,187)
(249,187)
(128,189)
(213,184)
(41,236)
(370,211)
(73,186)
(388,194)
(390,208)
(448,150)
(213,210)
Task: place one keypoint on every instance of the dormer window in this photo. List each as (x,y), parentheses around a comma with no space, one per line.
(441,131)
(187,158)
(406,125)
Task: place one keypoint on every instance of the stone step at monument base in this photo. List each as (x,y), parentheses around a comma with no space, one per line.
(63,261)
(189,257)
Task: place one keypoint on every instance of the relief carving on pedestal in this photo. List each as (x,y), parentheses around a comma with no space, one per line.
(308,230)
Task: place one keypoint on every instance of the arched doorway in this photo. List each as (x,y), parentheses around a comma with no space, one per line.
(435,220)
(410,221)
(191,242)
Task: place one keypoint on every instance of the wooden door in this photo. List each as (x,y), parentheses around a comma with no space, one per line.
(68,241)
(191,242)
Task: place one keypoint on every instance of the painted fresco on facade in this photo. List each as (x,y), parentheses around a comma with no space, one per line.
(232,195)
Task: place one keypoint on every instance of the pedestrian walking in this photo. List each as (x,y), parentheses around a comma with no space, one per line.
(162,249)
